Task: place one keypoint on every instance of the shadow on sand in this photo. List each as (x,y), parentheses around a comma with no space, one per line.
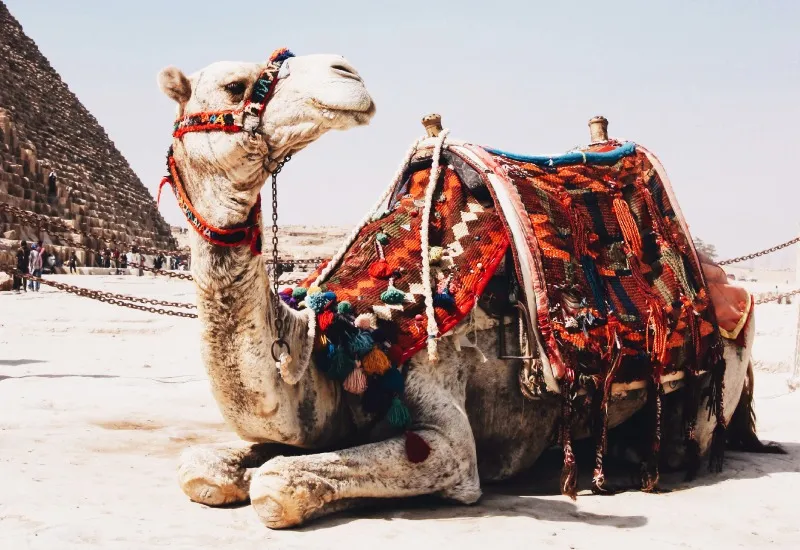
(518,497)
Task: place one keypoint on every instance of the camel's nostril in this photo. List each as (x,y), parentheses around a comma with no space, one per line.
(345,71)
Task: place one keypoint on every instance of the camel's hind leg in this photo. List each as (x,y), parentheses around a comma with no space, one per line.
(219,474)
(737,361)
(741,433)
(287,491)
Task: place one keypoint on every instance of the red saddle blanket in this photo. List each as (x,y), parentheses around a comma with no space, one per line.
(617,272)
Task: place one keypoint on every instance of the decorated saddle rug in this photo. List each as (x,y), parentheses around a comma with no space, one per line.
(601,253)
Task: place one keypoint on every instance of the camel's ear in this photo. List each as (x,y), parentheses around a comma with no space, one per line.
(175,84)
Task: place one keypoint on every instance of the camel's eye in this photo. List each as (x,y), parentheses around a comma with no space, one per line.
(236,88)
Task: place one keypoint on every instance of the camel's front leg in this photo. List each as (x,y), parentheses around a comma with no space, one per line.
(287,491)
(219,474)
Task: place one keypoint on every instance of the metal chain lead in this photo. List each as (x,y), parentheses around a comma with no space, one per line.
(276,299)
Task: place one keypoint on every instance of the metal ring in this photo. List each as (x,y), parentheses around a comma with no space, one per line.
(280,342)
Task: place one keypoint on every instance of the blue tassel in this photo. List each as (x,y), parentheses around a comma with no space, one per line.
(444,300)
(361,344)
(319,301)
(595,283)
(393,381)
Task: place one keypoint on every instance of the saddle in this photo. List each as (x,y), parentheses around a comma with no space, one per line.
(603,266)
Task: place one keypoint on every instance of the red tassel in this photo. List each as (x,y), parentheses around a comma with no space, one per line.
(628,225)
(324,320)
(165,180)
(417,449)
(395,354)
(380,270)
(286,291)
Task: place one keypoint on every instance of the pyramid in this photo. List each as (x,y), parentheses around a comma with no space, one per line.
(44,126)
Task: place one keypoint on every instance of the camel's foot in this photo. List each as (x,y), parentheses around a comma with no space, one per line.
(219,474)
(284,496)
(287,491)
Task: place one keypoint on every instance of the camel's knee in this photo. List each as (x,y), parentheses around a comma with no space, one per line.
(285,495)
(211,477)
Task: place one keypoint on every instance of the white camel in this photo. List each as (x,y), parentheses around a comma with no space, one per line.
(304,452)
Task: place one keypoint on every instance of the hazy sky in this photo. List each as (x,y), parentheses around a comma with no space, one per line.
(712,87)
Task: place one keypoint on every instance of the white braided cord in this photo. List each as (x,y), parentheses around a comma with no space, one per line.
(433,328)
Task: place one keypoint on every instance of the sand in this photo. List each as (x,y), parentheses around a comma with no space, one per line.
(96,402)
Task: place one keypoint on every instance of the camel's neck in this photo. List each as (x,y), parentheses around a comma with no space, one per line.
(234,307)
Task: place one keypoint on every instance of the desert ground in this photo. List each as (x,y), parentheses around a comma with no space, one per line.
(97,401)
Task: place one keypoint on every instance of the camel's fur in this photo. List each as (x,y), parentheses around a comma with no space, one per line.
(306,450)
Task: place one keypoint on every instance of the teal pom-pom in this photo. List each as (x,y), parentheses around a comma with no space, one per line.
(398,415)
(382,238)
(393,295)
(342,364)
(393,381)
(319,301)
(299,293)
(344,308)
(361,344)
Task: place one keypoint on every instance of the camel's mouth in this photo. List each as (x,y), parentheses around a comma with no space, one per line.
(361,112)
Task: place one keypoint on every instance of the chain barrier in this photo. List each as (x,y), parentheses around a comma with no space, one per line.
(58,227)
(110,297)
(760,253)
(765,299)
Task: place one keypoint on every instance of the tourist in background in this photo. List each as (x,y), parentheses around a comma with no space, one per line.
(141,264)
(35,265)
(51,183)
(23,256)
(73,263)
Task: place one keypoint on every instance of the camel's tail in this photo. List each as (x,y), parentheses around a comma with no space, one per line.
(741,432)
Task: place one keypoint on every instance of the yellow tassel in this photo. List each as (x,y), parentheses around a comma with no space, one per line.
(376,362)
(320,342)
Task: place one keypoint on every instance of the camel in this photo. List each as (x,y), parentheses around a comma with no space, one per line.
(305,451)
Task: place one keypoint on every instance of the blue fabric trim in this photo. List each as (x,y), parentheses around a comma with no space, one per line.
(603,159)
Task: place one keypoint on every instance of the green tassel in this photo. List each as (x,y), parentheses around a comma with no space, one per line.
(344,308)
(382,238)
(393,295)
(299,293)
(341,364)
(398,415)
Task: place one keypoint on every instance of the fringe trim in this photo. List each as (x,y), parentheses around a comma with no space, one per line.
(650,472)
(569,473)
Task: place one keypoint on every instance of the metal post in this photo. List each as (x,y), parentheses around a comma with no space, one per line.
(794,381)
(598,129)
(432,124)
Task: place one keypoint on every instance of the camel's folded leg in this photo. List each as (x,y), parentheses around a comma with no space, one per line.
(219,474)
(286,491)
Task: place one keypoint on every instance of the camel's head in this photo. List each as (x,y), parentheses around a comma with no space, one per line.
(313,94)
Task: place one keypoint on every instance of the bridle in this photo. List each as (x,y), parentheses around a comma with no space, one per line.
(246,119)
